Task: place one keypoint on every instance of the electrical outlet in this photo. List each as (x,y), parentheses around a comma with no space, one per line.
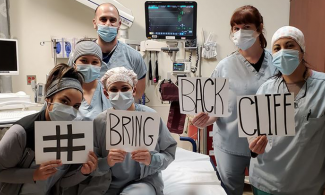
(30,78)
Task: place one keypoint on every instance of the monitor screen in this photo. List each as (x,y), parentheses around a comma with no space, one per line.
(9,61)
(171,19)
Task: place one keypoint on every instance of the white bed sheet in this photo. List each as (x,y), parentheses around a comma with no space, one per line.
(191,174)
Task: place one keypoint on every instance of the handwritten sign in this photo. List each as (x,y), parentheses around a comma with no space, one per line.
(69,141)
(132,130)
(209,95)
(269,114)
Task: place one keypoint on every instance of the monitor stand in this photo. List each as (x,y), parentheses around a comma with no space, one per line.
(5,84)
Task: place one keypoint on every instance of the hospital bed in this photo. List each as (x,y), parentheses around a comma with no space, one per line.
(191,174)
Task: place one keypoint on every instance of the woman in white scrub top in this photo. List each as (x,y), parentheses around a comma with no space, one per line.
(293,165)
(247,69)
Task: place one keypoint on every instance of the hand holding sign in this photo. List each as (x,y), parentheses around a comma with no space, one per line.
(258,145)
(91,164)
(115,156)
(46,170)
(200,120)
(142,156)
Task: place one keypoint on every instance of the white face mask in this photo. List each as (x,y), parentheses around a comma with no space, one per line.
(61,112)
(244,39)
(121,100)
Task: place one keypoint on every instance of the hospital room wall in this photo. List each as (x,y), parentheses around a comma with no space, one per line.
(33,21)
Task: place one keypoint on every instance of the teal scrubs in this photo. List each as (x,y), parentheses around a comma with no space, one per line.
(295,165)
(124,56)
(131,177)
(232,152)
(99,103)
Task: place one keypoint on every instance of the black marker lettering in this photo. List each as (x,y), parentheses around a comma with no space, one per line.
(112,129)
(144,132)
(217,94)
(240,116)
(124,128)
(269,112)
(212,83)
(275,118)
(187,95)
(285,111)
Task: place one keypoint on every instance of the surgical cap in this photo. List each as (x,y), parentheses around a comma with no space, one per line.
(62,84)
(85,48)
(290,32)
(119,74)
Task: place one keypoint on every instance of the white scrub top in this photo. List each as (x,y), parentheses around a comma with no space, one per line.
(295,165)
(243,80)
(98,104)
(125,56)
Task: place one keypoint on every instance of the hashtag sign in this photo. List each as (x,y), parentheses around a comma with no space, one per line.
(58,137)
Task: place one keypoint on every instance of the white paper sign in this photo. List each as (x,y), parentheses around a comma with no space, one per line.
(198,94)
(270,114)
(69,141)
(132,130)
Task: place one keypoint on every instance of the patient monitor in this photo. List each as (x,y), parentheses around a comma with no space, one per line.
(9,61)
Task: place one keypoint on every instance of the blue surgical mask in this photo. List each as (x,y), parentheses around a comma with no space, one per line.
(90,72)
(121,100)
(61,112)
(107,33)
(286,60)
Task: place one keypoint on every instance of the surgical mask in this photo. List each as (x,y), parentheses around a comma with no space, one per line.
(90,72)
(244,39)
(286,60)
(121,100)
(107,33)
(61,112)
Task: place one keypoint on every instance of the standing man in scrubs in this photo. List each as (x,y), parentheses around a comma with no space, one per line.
(87,59)
(293,165)
(247,69)
(115,54)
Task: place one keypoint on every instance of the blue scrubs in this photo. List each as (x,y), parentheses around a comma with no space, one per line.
(131,177)
(124,56)
(231,152)
(98,104)
(295,165)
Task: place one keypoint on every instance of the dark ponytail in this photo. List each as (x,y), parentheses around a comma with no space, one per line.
(63,71)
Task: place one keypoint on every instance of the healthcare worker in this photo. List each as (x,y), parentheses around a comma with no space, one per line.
(18,172)
(87,59)
(139,172)
(293,165)
(107,22)
(247,68)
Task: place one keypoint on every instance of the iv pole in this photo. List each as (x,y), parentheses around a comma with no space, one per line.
(53,41)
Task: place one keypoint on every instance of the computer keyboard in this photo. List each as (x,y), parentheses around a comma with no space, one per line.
(7,117)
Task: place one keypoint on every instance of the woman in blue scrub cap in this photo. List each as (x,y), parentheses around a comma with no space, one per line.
(293,165)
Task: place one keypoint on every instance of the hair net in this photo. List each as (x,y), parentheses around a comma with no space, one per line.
(119,74)
(290,32)
(86,47)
